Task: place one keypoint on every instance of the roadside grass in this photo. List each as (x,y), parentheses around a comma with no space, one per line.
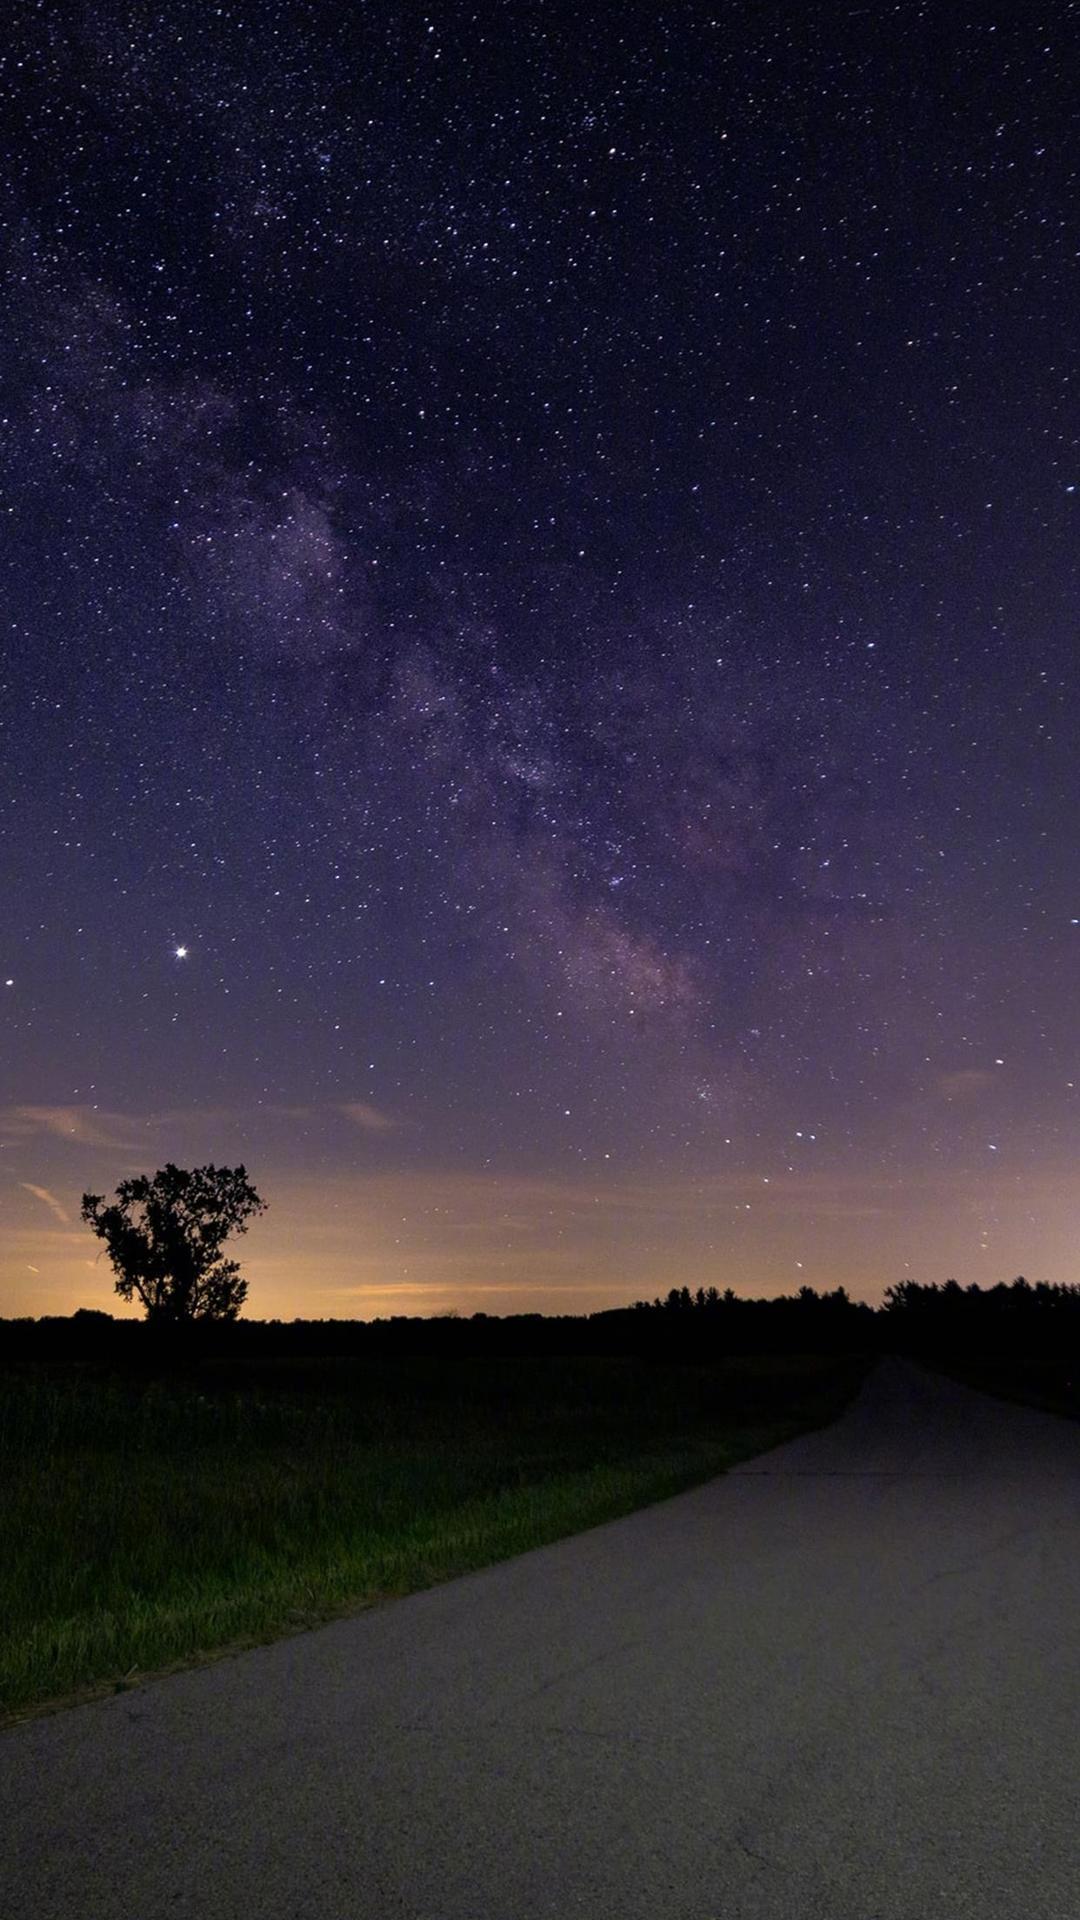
(147,1524)
(1052,1385)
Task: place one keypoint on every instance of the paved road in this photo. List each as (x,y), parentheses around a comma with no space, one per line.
(841,1683)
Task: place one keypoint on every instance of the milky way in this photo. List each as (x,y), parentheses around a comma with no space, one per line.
(540,695)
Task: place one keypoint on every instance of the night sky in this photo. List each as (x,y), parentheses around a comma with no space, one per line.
(540,697)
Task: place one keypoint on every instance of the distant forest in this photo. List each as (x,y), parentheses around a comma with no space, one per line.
(1038,1321)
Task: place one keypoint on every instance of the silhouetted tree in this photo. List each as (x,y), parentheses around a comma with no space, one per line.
(164,1238)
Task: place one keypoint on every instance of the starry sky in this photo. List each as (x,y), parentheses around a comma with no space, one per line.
(539,596)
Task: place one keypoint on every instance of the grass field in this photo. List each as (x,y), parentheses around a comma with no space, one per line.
(1051,1385)
(149,1524)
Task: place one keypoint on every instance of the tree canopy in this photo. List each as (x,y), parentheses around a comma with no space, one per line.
(164,1238)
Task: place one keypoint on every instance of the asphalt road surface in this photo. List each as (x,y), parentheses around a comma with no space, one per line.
(841,1682)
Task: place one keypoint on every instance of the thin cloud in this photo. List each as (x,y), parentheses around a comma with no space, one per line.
(84,1126)
(364,1115)
(965,1084)
(48,1200)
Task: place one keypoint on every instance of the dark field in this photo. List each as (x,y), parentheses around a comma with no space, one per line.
(1053,1385)
(149,1523)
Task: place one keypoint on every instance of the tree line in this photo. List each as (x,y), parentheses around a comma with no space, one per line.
(1039,1321)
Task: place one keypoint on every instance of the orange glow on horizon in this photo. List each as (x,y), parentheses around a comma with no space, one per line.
(345,1247)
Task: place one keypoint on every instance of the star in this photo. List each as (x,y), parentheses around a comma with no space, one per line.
(180,953)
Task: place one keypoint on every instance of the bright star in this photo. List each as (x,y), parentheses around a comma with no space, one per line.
(180,953)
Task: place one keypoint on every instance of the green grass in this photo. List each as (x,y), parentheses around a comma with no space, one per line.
(149,1525)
